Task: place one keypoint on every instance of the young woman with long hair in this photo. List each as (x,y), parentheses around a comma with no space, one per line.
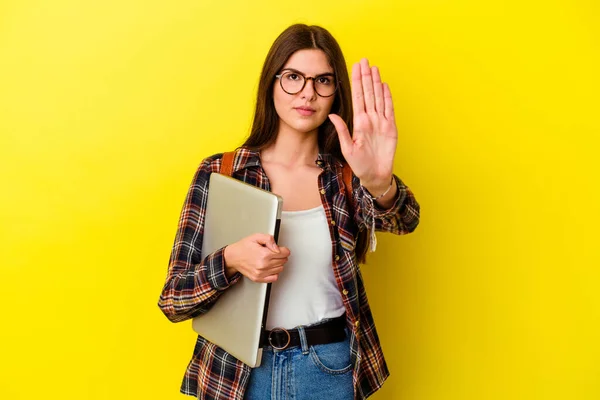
(309,122)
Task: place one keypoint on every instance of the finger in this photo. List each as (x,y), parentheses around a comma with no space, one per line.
(259,277)
(343,133)
(265,276)
(283,252)
(388,104)
(269,255)
(269,258)
(266,240)
(269,279)
(358,101)
(274,267)
(378,89)
(367,85)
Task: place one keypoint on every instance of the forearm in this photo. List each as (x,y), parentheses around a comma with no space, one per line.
(192,290)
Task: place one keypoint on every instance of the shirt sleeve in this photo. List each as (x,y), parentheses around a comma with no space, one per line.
(194,280)
(401,218)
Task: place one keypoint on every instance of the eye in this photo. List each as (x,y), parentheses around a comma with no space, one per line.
(293,77)
(324,80)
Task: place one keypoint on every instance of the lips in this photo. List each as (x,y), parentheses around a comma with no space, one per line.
(305,111)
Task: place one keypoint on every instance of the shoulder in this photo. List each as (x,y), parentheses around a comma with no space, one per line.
(207,166)
(241,158)
(212,162)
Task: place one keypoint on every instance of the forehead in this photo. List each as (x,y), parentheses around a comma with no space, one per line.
(309,62)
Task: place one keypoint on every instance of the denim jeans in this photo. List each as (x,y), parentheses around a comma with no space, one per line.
(303,372)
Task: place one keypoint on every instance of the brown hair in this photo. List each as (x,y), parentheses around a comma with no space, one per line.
(266,121)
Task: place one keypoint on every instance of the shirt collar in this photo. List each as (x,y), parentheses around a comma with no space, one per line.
(247,158)
(327,161)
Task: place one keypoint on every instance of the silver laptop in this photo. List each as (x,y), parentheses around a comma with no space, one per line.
(235,210)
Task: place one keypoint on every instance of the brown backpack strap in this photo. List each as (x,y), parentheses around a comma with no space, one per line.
(227,163)
(347,178)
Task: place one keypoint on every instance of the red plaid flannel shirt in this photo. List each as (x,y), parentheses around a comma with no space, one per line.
(195,281)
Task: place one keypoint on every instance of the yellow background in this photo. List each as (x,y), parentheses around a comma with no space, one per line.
(107,108)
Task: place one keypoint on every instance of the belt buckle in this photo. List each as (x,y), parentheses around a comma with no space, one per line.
(271,341)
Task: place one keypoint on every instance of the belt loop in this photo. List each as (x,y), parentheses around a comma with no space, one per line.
(303,342)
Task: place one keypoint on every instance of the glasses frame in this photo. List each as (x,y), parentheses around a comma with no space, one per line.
(306,79)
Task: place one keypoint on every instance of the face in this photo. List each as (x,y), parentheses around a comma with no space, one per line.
(304,111)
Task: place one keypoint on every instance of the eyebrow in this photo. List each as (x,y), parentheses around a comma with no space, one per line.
(302,73)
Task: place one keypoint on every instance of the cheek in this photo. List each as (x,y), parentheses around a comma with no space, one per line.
(327,104)
(280,101)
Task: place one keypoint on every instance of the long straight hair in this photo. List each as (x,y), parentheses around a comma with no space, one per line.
(265,124)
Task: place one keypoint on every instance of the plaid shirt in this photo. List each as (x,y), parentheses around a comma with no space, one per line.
(195,281)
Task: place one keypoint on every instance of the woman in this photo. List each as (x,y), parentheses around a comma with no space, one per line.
(303,132)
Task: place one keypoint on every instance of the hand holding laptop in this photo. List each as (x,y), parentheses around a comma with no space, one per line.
(257,257)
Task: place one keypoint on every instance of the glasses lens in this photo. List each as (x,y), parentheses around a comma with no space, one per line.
(325,85)
(292,82)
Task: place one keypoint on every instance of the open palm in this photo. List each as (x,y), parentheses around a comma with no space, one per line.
(371,148)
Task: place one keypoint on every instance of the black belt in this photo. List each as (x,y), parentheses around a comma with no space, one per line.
(328,332)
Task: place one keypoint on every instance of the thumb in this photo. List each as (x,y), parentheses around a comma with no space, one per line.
(343,133)
(268,241)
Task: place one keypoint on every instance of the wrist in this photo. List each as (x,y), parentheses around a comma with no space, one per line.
(229,267)
(380,188)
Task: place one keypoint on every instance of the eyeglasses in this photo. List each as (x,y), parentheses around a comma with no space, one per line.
(293,82)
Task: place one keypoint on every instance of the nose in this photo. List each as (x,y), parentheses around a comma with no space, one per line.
(309,89)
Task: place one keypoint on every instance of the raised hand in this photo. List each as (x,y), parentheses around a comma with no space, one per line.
(371,148)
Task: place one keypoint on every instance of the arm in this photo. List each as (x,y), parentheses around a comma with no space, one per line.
(370,151)
(397,212)
(194,281)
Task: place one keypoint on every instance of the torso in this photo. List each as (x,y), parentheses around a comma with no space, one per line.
(299,187)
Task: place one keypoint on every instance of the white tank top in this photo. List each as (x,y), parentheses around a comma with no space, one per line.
(306,291)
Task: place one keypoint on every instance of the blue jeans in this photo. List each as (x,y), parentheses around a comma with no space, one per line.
(322,371)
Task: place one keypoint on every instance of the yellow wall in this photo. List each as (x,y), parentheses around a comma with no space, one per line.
(106,109)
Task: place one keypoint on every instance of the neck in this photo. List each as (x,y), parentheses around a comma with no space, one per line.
(292,148)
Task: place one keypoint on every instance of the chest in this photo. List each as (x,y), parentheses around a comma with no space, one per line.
(299,188)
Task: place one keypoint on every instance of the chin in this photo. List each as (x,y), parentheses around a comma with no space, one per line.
(305,126)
